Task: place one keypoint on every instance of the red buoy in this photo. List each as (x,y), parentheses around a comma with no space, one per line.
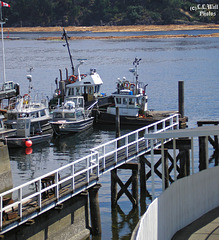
(28,143)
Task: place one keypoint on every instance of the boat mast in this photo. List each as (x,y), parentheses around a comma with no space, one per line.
(3,48)
(64,35)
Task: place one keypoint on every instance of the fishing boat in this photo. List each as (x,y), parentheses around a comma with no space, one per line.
(86,84)
(130,102)
(4,132)
(71,117)
(25,107)
(23,137)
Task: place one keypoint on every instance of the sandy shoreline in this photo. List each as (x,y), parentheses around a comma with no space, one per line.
(135,28)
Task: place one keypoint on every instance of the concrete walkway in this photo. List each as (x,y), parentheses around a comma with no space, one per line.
(204,228)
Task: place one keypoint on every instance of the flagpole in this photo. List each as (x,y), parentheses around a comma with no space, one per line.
(3,47)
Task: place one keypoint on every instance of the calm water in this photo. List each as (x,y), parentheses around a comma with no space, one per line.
(164,62)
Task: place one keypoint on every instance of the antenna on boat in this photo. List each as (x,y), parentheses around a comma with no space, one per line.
(136,63)
(65,36)
(29,78)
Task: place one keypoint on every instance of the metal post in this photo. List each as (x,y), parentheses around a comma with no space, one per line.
(152,168)
(162,165)
(174,158)
(192,152)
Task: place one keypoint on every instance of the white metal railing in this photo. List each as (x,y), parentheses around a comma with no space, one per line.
(134,138)
(88,167)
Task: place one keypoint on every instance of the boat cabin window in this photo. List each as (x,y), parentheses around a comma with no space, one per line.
(90,90)
(34,114)
(118,100)
(57,115)
(42,113)
(124,101)
(97,89)
(12,116)
(77,91)
(23,115)
(131,101)
(138,101)
(69,115)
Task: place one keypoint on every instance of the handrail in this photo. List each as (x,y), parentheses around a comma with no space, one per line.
(124,141)
(88,166)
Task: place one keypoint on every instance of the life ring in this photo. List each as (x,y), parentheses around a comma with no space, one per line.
(72,78)
(126,85)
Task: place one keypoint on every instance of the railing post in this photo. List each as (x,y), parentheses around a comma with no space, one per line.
(73,176)
(98,164)
(152,168)
(104,158)
(40,194)
(20,202)
(87,166)
(136,139)
(57,185)
(163,165)
(127,148)
(115,149)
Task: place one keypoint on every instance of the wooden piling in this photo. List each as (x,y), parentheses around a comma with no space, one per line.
(202,153)
(133,197)
(118,134)
(114,192)
(181,98)
(95,210)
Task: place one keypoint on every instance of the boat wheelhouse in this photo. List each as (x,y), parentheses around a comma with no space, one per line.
(25,107)
(86,85)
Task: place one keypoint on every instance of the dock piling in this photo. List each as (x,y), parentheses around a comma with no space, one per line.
(95,210)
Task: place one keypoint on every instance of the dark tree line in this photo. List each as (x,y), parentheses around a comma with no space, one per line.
(101,12)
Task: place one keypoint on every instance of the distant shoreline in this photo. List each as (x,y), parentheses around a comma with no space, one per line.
(110,29)
(131,28)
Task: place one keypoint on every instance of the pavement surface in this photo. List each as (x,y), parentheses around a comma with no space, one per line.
(204,228)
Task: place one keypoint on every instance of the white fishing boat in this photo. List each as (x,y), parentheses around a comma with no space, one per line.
(87,84)
(25,107)
(71,117)
(23,137)
(130,98)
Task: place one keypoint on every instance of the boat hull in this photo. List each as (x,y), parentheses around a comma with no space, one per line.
(106,118)
(67,127)
(15,142)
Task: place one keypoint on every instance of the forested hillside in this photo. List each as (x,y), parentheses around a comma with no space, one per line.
(107,12)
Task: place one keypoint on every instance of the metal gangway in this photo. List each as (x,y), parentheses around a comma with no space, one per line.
(50,190)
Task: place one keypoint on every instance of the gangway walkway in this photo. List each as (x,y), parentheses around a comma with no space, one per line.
(50,190)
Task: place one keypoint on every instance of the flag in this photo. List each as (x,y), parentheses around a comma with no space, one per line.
(5,4)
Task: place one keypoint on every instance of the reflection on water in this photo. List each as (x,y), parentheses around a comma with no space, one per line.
(164,63)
